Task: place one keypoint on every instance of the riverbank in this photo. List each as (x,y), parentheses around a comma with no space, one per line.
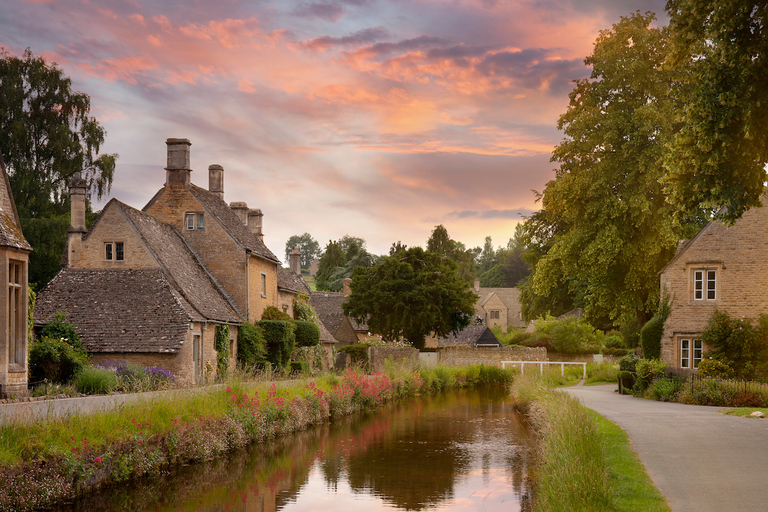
(55,460)
(583,461)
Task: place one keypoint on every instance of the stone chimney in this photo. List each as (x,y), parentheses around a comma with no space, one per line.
(255,219)
(177,172)
(347,287)
(77,189)
(295,260)
(240,209)
(216,180)
(477,284)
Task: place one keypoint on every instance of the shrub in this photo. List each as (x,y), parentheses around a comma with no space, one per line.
(743,346)
(251,345)
(613,341)
(748,399)
(715,369)
(55,360)
(300,367)
(648,370)
(650,334)
(664,390)
(62,329)
(630,331)
(628,363)
(708,392)
(95,380)
(568,335)
(221,344)
(358,352)
(303,311)
(615,351)
(280,340)
(272,313)
(307,334)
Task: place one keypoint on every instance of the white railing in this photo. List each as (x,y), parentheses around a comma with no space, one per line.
(542,363)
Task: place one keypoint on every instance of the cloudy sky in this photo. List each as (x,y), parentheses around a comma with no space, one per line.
(373,118)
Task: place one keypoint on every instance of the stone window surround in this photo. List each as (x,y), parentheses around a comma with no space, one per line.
(692,268)
(264,284)
(690,350)
(494,314)
(114,251)
(194,221)
(17,297)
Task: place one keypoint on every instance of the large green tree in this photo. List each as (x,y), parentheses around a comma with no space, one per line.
(308,246)
(340,260)
(441,243)
(411,294)
(718,157)
(47,136)
(613,228)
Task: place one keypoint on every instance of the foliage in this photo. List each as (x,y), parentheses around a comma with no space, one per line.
(715,369)
(95,380)
(648,370)
(358,353)
(629,363)
(55,360)
(308,246)
(652,331)
(708,392)
(441,243)
(272,313)
(739,343)
(62,329)
(503,267)
(513,336)
(718,156)
(48,136)
(221,344)
(340,260)
(307,334)
(613,341)
(251,345)
(280,339)
(412,294)
(332,258)
(302,310)
(665,389)
(602,372)
(630,331)
(568,335)
(300,367)
(608,229)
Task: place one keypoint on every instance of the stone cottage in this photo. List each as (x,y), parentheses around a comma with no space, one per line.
(499,307)
(164,278)
(721,268)
(14,268)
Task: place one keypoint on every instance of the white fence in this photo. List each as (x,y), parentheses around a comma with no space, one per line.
(542,363)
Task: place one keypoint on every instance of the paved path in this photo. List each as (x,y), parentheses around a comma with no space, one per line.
(699,459)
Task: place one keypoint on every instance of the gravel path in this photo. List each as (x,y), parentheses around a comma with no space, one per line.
(699,459)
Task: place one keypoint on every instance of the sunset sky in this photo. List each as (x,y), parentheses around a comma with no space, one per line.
(373,118)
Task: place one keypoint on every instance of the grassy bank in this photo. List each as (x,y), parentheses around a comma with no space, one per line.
(46,462)
(584,462)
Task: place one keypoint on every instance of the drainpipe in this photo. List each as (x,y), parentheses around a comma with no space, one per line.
(247,286)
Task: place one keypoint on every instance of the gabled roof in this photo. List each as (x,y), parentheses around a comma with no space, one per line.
(10,227)
(292,282)
(474,336)
(118,310)
(328,308)
(509,296)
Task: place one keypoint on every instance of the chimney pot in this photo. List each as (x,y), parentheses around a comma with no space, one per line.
(295,260)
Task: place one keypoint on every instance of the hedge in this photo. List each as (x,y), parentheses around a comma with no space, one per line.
(307,334)
(280,339)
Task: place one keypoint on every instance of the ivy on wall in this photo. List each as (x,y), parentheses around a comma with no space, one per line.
(221,342)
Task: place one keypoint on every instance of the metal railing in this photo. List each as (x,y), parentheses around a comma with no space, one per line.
(542,363)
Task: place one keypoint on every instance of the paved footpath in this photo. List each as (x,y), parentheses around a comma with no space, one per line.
(699,459)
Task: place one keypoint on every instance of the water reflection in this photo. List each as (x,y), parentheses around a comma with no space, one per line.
(454,451)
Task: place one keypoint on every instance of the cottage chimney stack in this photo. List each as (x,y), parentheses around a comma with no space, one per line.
(241,210)
(177,173)
(295,260)
(77,190)
(216,180)
(347,283)
(477,285)
(255,220)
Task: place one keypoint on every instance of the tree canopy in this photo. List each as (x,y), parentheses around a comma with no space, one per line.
(411,294)
(339,261)
(441,243)
(308,246)
(48,136)
(606,225)
(718,157)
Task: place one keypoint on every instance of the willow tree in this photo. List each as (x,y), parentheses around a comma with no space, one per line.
(718,157)
(613,227)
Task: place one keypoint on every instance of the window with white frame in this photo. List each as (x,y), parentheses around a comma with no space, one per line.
(691,352)
(705,284)
(17,351)
(194,221)
(114,251)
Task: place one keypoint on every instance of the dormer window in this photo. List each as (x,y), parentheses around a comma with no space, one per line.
(113,251)
(195,221)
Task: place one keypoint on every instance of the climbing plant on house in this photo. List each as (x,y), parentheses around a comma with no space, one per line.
(221,342)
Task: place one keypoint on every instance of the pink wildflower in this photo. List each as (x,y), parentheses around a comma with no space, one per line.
(97,460)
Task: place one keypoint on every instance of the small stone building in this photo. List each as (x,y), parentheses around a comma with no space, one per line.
(14,268)
(499,307)
(721,268)
(344,329)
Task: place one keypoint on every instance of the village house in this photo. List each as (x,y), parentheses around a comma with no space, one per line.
(499,307)
(721,268)
(152,286)
(14,268)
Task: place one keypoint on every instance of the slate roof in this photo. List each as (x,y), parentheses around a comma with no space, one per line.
(118,310)
(509,296)
(328,308)
(130,310)
(10,228)
(472,336)
(290,281)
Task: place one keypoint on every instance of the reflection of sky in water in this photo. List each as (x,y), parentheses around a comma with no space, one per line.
(480,490)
